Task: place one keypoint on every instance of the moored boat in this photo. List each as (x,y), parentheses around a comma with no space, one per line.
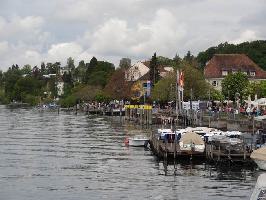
(259,157)
(137,141)
(192,143)
(259,191)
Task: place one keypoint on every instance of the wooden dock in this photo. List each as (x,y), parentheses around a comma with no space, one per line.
(171,150)
(213,153)
(217,153)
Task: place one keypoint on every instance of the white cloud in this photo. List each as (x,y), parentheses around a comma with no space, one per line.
(247,35)
(20,28)
(62,51)
(3,47)
(53,30)
(115,37)
(32,57)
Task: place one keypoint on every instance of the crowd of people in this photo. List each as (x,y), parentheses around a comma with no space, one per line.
(245,109)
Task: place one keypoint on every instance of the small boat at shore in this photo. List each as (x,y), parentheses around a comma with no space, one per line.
(259,157)
(259,192)
(192,143)
(137,141)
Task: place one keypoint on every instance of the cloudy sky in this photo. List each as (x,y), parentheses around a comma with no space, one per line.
(32,31)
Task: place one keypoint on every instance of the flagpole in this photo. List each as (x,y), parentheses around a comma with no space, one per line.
(177,92)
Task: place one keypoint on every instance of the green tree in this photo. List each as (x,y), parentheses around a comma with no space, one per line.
(71,64)
(43,68)
(194,80)
(234,83)
(177,59)
(1,78)
(28,89)
(79,72)
(154,71)
(26,69)
(189,57)
(12,75)
(125,63)
(252,89)
(164,90)
(90,68)
(263,89)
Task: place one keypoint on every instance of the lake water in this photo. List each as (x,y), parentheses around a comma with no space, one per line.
(44,155)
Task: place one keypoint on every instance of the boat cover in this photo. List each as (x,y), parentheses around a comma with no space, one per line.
(191,137)
(259,154)
(260,188)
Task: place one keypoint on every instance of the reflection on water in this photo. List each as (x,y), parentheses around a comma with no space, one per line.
(44,155)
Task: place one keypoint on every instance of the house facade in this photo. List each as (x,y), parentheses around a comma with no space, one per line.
(139,74)
(223,64)
(60,87)
(136,71)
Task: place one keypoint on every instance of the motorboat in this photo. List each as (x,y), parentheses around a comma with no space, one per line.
(137,141)
(166,135)
(191,143)
(259,157)
(259,192)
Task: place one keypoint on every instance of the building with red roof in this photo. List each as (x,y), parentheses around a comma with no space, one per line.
(223,64)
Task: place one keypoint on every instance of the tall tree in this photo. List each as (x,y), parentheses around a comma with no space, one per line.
(43,68)
(70,64)
(164,90)
(90,68)
(26,69)
(154,71)
(189,57)
(233,84)
(177,59)
(80,71)
(117,87)
(125,63)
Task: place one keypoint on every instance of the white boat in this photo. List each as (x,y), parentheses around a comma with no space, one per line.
(192,143)
(259,157)
(166,134)
(259,192)
(137,141)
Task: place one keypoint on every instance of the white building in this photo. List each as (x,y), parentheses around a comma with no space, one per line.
(60,87)
(136,71)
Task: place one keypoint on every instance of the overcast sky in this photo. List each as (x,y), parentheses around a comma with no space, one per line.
(32,31)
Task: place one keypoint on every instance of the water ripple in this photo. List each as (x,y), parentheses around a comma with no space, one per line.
(44,155)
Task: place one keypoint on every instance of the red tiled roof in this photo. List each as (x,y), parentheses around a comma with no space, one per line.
(232,62)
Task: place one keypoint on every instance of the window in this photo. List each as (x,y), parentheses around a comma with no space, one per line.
(144,85)
(214,83)
(224,73)
(252,73)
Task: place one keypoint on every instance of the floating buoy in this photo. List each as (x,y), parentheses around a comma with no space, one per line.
(126,141)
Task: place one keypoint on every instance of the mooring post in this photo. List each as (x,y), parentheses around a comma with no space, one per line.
(175,153)
(219,154)
(211,151)
(244,150)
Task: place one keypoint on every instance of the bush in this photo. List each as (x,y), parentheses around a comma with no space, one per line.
(68,101)
(30,99)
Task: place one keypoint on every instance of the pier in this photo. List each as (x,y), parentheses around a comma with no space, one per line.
(217,152)
(141,114)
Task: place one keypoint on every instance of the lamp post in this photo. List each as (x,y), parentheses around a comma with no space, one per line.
(237,96)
